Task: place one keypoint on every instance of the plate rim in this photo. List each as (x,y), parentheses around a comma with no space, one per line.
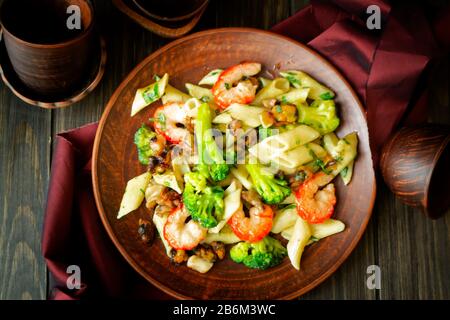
(132,74)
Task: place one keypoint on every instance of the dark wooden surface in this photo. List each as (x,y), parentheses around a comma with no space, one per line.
(412,251)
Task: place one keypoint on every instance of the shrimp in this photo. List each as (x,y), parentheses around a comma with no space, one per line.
(181,235)
(253,228)
(314,205)
(233,87)
(171,120)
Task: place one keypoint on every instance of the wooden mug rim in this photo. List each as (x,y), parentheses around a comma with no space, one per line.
(85,33)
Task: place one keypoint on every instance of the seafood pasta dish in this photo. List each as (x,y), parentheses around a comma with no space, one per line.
(239,166)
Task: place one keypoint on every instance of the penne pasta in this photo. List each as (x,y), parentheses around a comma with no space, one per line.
(300,155)
(148,95)
(134,194)
(200,93)
(249,115)
(300,79)
(172,94)
(264,82)
(294,96)
(284,219)
(272,90)
(300,237)
(159,222)
(273,146)
(211,78)
(232,202)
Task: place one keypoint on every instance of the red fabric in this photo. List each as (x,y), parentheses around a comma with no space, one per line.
(384,66)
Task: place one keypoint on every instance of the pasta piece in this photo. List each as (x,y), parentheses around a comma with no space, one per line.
(300,155)
(172,94)
(211,78)
(148,95)
(294,96)
(191,106)
(249,115)
(222,118)
(347,173)
(180,167)
(349,150)
(335,148)
(199,264)
(152,193)
(277,144)
(242,175)
(289,200)
(272,90)
(300,79)
(200,93)
(168,179)
(318,231)
(284,219)
(232,202)
(159,222)
(326,228)
(300,237)
(226,235)
(134,194)
(264,82)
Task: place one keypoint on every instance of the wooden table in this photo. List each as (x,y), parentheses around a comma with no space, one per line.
(412,251)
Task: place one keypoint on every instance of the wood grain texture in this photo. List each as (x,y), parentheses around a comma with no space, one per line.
(411,250)
(24,171)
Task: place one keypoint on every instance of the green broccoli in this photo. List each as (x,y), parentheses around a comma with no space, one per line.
(209,152)
(260,255)
(142,139)
(321,115)
(271,189)
(203,202)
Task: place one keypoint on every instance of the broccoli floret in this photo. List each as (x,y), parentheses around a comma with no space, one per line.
(203,202)
(142,139)
(272,190)
(321,115)
(260,255)
(209,152)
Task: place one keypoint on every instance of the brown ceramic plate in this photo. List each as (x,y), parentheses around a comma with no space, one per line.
(115,162)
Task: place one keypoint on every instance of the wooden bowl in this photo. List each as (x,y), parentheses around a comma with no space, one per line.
(115,162)
(414,164)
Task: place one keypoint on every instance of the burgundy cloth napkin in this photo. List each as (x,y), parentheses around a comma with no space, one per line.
(386,67)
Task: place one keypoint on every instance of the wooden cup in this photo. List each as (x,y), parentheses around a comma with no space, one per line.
(48,57)
(414,164)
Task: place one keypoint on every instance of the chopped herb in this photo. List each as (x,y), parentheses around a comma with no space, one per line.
(152,119)
(344,172)
(290,206)
(142,190)
(284,100)
(151,93)
(156,77)
(279,109)
(293,80)
(215,73)
(314,239)
(244,78)
(167,183)
(338,158)
(319,163)
(300,176)
(346,141)
(205,99)
(326,96)
(265,133)
(227,86)
(162,120)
